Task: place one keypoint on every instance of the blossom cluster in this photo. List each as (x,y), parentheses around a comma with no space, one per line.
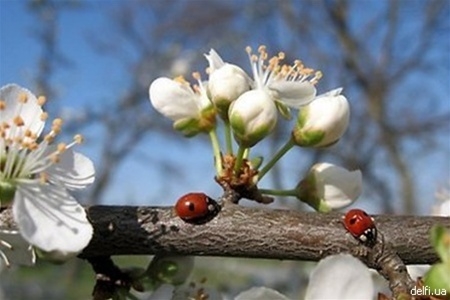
(249,108)
(36,175)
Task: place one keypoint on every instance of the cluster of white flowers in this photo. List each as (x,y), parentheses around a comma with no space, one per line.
(36,176)
(249,110)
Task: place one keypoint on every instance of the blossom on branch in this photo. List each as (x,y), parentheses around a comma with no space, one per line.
(276,87)
(327,187)
(36,176)
(226,82)
(322,122)
(189,108)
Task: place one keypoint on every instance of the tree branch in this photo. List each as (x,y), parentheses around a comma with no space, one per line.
(246,232)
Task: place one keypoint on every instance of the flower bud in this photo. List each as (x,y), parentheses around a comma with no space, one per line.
(252,117)
(226,83)
(322,122)
(170,269)
(191,111)
(328,187)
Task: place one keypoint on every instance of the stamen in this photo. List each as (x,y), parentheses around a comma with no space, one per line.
(18,121)
(23,98)
(180,79)
(197,76)
(61,147)
(41,100)
(43,178)
(78,138)
(44,116)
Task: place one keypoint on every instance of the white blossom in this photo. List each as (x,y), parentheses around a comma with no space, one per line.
(226,82)
(323,121)
(35,175)
(340,277)
(276,86)
(189,108)
(327,187)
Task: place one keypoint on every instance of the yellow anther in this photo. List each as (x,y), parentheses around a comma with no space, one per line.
(180,79)
(18,121)
(262,49)
(248,49)
(78,138)
(23,97)
(49,138)
(43,178)
(33,146)
(28,133)
(41,100)
(54,158)
(196,76)
(44,116)
(2,105)
(61,147)
(57,122)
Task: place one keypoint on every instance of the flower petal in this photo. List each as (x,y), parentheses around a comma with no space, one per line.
(15,249)
(30,112)
(337,186)
(214,60)
(74,170)
(261,293)
(51,219)
(340,277)
(172,99)
(292,93)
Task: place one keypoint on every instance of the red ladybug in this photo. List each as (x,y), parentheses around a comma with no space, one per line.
(196,208)
(361,226)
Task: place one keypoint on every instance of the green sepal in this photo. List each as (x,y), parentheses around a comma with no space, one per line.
(256,162)
(440,239)
(307,193)
(284,110)
(438,278)
(245,139)
(189,127)
(307,139)
(7,192)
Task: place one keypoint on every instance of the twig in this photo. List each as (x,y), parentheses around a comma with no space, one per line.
(245,232)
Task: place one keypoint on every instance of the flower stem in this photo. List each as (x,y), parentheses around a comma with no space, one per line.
(239,159)
(216,151)
(292,192)
(228,140)
(282,151)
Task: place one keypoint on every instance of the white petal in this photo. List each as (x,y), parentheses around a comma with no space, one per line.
(214,60)
(74,170)
(30,112)
(340,277)
(16,249)
(172,99)
(50,219)
(293,93)
(336,185)
(331,93)
(260,293)
(442,209)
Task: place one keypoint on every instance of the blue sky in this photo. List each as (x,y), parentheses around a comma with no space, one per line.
(93,81)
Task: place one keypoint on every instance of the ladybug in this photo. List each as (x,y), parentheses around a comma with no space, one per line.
(361,226)
(196,208)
